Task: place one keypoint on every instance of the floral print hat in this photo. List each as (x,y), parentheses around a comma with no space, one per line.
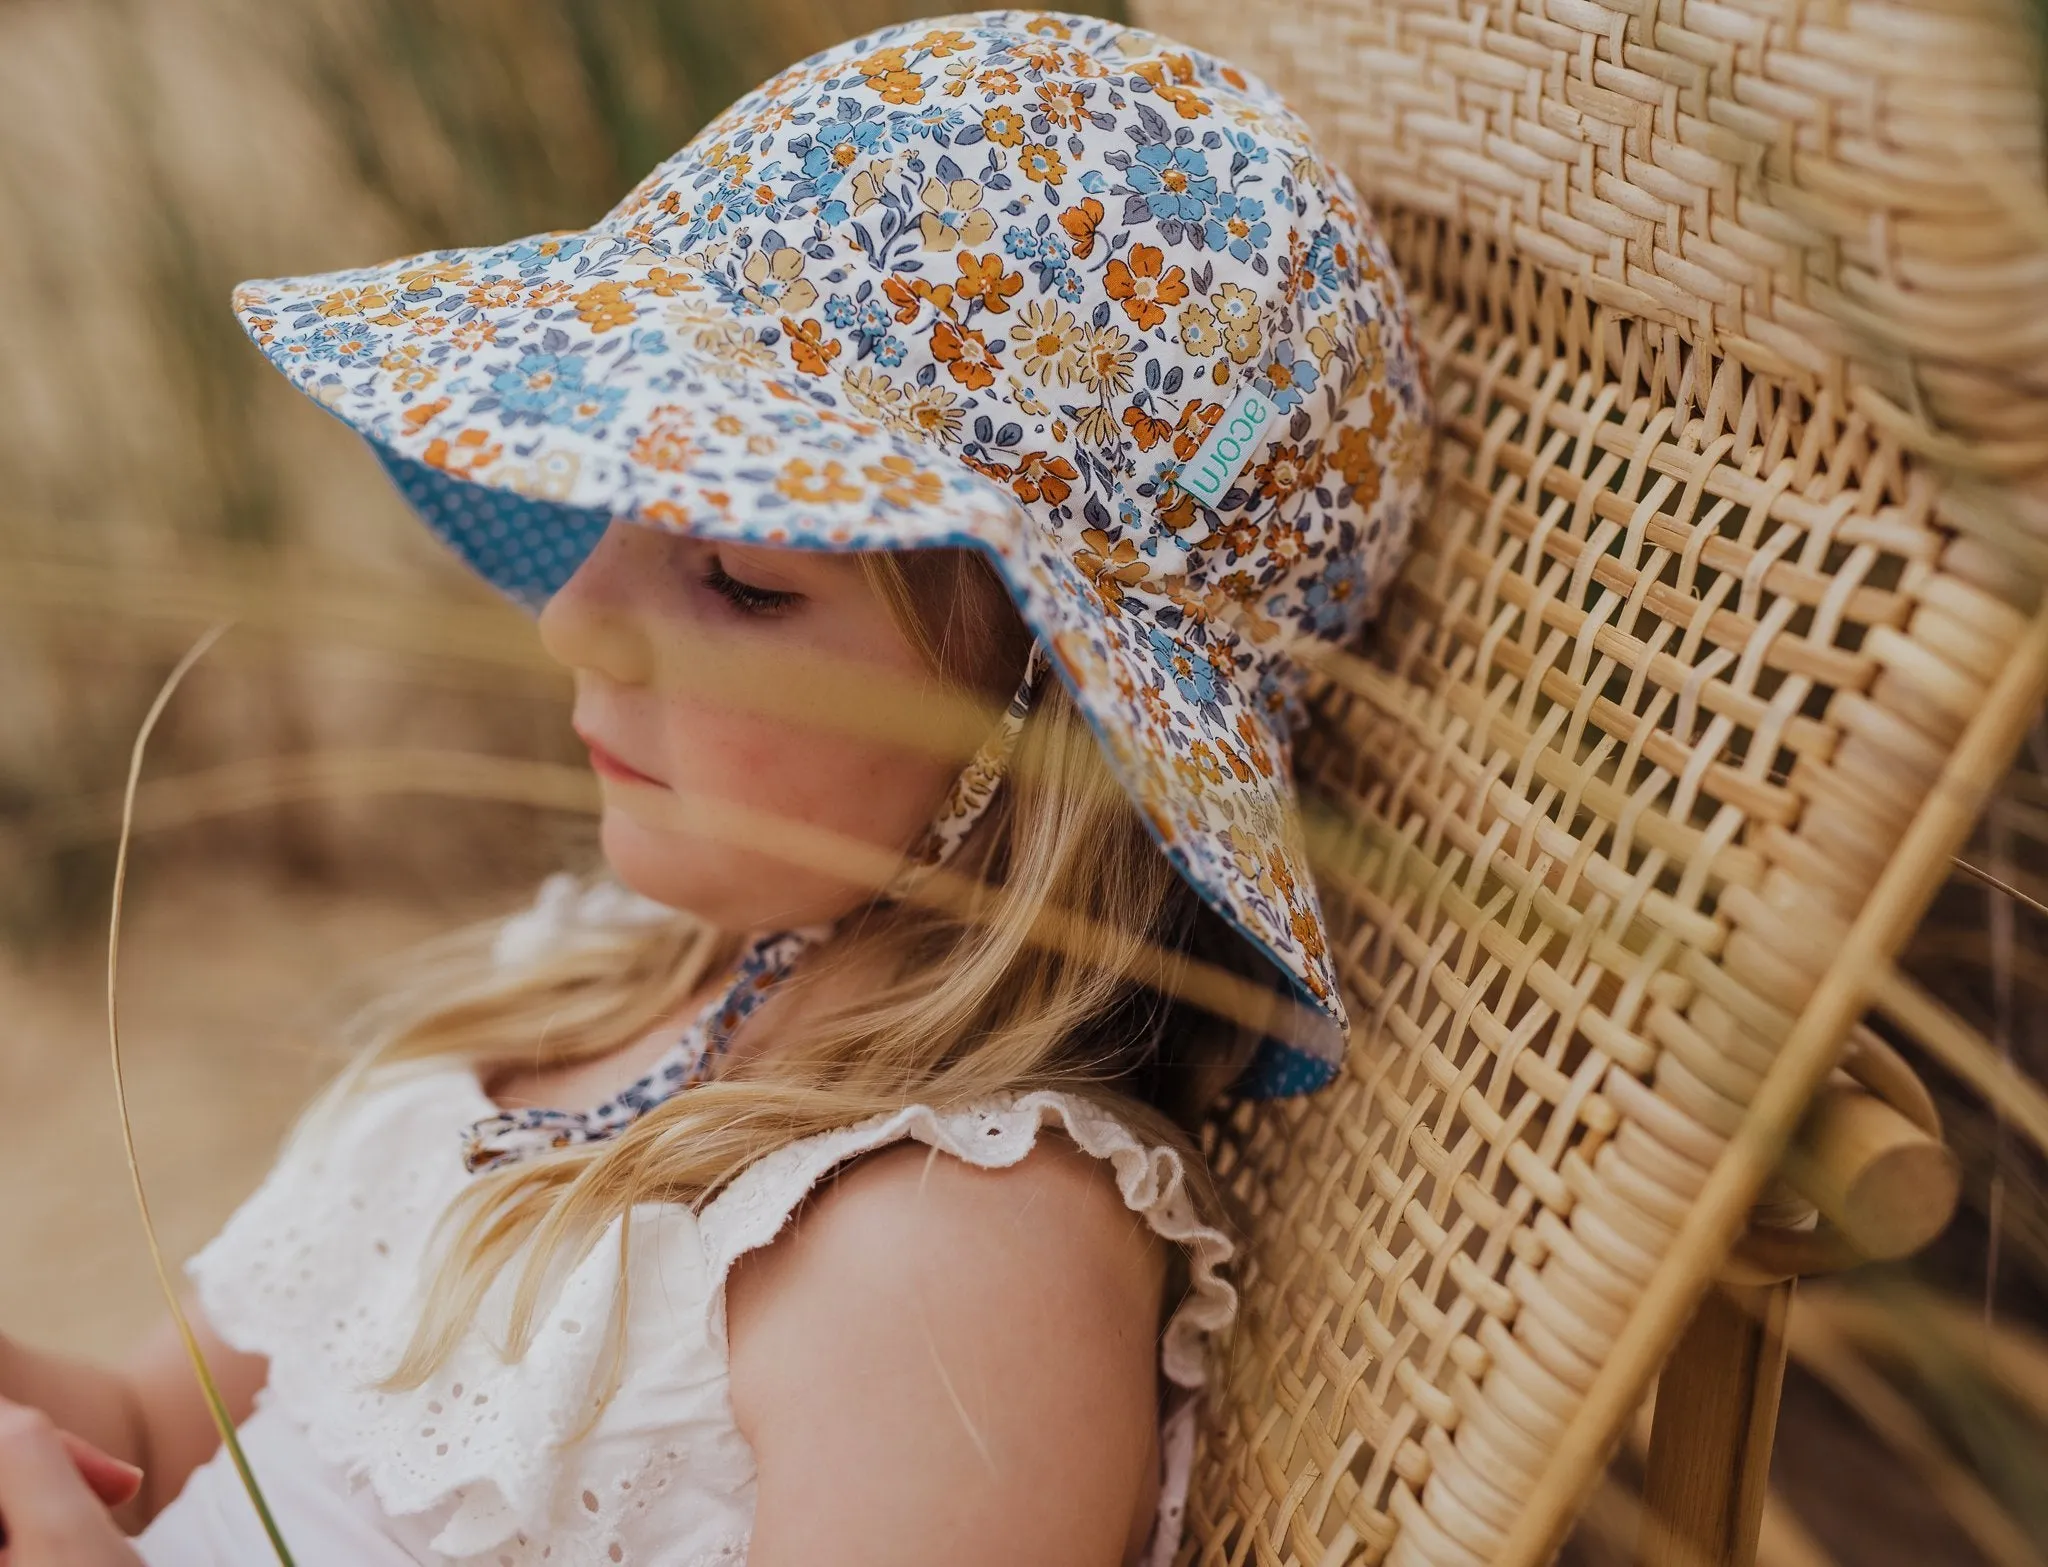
(1042,285)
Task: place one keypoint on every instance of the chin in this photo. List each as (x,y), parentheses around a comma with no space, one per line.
(662,866)
(725,886)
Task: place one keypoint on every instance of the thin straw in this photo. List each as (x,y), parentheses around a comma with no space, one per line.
(215,1404)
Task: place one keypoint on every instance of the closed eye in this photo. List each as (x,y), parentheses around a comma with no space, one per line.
(745,596)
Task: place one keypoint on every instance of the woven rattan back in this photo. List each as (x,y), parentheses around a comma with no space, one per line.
(1644,757)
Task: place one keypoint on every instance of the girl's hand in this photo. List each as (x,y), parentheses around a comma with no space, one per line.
(54,1495)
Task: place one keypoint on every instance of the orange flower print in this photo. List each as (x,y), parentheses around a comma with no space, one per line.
(984,279)
(882,62)
(495,293)
(809,349)
(603,306)
(666,284)
(898,87)
(953,215)
(999,84)
(1113,568)
(1081,222)
(1142,288)
(1042,476)
(1187,103)
(900,482)
(417,280)
(1147,431)
(1039,55)
(1255,748)
(541,295)
(933,412)
(1354,458)
(469,453)
(667,445)
(1196,421)
(965,354)
(472,335)
(1042,163)
(1286,471)
(1063,105)
(1175,509)
(815,485)
(1003,125)
(1238,537)
(418,418)
(910,295)
(942,42)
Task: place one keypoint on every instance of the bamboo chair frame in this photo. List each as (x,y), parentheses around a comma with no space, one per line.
(1724,621)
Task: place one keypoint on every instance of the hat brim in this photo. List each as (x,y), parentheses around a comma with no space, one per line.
(724,446)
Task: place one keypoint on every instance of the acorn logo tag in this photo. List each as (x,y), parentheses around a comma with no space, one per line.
(1239,435)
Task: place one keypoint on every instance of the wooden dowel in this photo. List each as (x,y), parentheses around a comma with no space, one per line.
(1875,1176)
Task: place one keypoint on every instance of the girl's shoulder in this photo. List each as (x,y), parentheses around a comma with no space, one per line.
(962,1314)
(956,1185)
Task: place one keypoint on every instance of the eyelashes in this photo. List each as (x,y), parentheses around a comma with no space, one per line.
(744,596)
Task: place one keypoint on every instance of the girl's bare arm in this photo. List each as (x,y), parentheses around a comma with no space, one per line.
(938,1364)
(148,1412)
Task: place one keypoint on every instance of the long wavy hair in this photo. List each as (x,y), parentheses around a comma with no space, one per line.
(907,1004)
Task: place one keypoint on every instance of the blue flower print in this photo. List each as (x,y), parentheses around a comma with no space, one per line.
(836,147)
(890,351)
(1331,600)
(934,121)
(547,250)
(546,388)
(1284,378)
(339,341)
(1174,181)
(1071,284)
(873,319)
(1193,674)
(1319,273)
(841,311)
(1238,224)
(1021,243)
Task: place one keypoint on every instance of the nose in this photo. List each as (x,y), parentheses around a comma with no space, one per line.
(591,625)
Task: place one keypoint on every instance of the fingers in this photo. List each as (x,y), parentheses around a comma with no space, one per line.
(112,1481)
(50,1512)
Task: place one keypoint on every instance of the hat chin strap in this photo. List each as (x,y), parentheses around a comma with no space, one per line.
(507,1138)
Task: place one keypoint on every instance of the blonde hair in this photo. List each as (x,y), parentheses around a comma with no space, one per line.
(908,1004)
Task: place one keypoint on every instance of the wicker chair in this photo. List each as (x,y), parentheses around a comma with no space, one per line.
(1722,624)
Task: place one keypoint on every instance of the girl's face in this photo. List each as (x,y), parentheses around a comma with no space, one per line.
(688,657)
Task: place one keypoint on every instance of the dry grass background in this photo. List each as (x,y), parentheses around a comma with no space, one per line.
(154,476)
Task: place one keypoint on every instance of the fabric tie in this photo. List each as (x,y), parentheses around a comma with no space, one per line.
(513,1135)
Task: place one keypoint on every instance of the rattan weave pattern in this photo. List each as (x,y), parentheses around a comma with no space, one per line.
(1685,642)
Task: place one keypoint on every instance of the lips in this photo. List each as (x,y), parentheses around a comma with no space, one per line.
(606,765)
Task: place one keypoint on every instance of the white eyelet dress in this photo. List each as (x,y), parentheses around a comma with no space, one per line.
(319,1271)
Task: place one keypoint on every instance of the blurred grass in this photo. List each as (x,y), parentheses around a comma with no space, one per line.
(152,155)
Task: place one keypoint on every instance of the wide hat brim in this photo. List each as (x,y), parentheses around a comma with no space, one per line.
(716,442)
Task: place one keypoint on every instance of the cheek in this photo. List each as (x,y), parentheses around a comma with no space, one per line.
(878,793)
(882,795)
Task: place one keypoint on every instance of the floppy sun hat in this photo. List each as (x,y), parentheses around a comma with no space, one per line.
(1041,285)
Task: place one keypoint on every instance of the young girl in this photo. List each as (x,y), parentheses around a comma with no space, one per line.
(1014,389)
